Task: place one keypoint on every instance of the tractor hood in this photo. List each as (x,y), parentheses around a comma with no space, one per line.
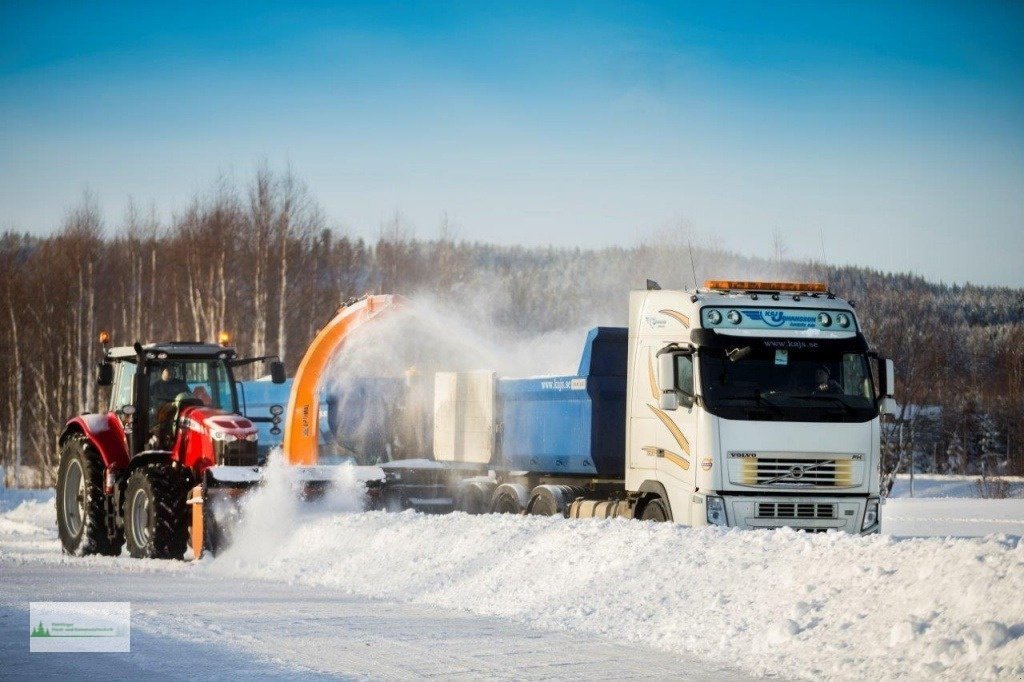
(219,425)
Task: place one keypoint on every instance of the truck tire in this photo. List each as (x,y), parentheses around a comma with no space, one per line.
(509,498)
(550,500)
(155,513)
(81,512)
(654,510)
(474,498)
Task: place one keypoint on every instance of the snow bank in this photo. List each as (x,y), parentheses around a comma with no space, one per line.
(783,602)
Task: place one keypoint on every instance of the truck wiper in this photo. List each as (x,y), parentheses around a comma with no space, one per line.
(830,398)
(759,397)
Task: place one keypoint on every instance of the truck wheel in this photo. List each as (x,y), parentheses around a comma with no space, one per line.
(155,515)
(550,500)
(81,513)
(509,498)
(654,510)
(474,499)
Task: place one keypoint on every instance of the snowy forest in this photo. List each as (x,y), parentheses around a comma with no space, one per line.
(264,262)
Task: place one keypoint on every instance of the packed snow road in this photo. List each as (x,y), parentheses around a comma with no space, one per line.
(193,624)
(378,595)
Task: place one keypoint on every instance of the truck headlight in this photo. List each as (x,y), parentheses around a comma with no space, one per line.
(870,514)
(716,511)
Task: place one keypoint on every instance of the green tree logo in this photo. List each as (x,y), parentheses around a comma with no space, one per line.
(40,631)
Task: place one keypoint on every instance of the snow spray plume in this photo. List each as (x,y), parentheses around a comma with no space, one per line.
(380,384)
(271,513)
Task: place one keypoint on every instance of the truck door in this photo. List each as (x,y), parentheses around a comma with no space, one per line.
(678,436)
(642,420)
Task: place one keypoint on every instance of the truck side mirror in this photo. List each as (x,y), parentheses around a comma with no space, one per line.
(668,401)
(672,394)
(667,373)
(105,374)
(277,374)
(890,379)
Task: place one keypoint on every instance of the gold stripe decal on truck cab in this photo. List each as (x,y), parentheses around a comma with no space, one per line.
(672,428)
(679,461)
(650,375)
(677,316)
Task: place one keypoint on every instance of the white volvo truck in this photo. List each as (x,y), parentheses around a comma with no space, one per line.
(746,404)
(755,405)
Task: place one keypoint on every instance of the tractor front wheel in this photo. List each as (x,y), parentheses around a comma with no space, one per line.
(81,512)
(155,513)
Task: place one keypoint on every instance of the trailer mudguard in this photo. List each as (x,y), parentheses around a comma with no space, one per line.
(301,427)
(105,432)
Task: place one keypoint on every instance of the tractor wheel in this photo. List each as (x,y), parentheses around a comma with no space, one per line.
(155,512)
(81,513)
(654,510)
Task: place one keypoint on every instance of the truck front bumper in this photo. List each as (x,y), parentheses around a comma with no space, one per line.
(813,513)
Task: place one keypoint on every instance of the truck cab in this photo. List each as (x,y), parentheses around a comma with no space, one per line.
(755,405)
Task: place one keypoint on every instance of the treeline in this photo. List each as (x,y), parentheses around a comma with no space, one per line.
(262,263)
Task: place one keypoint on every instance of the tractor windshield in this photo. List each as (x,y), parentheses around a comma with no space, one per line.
(207,380)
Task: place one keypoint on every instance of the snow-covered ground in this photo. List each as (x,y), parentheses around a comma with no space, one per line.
(324,590)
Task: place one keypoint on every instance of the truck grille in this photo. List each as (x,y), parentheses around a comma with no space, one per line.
(796,510)
(804,472)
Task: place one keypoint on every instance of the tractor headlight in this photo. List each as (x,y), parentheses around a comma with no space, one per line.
(716,511)
(252,437)
(222,436)
(870,514)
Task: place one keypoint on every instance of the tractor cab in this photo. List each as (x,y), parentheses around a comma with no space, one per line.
(154,385)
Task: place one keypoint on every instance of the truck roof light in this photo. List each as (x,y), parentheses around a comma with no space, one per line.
(740,285)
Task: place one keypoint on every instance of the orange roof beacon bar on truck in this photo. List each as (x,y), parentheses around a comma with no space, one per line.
(736,285)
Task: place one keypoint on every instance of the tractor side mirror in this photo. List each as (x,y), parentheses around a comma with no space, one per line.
(105,374)
(277,374)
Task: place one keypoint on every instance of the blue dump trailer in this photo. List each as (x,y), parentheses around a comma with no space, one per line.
(568,425)
(473,441)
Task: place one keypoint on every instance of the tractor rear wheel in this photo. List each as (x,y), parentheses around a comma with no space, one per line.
(81,504)
(155,512)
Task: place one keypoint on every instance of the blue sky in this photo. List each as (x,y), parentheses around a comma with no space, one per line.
(892,133)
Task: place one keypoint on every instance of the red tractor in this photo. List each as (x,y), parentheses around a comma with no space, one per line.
(174,422)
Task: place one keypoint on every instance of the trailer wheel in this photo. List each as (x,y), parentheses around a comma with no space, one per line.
(509,498)
(81,513)
(474,499)
(654,510)
(155,514)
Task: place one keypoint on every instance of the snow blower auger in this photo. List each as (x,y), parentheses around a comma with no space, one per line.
(174,437)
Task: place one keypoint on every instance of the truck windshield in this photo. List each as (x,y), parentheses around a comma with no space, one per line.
(765,383)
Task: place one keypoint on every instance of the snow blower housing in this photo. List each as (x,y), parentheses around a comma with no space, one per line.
(173,426)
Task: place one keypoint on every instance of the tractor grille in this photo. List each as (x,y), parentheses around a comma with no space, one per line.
(796,510)
(236,453)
